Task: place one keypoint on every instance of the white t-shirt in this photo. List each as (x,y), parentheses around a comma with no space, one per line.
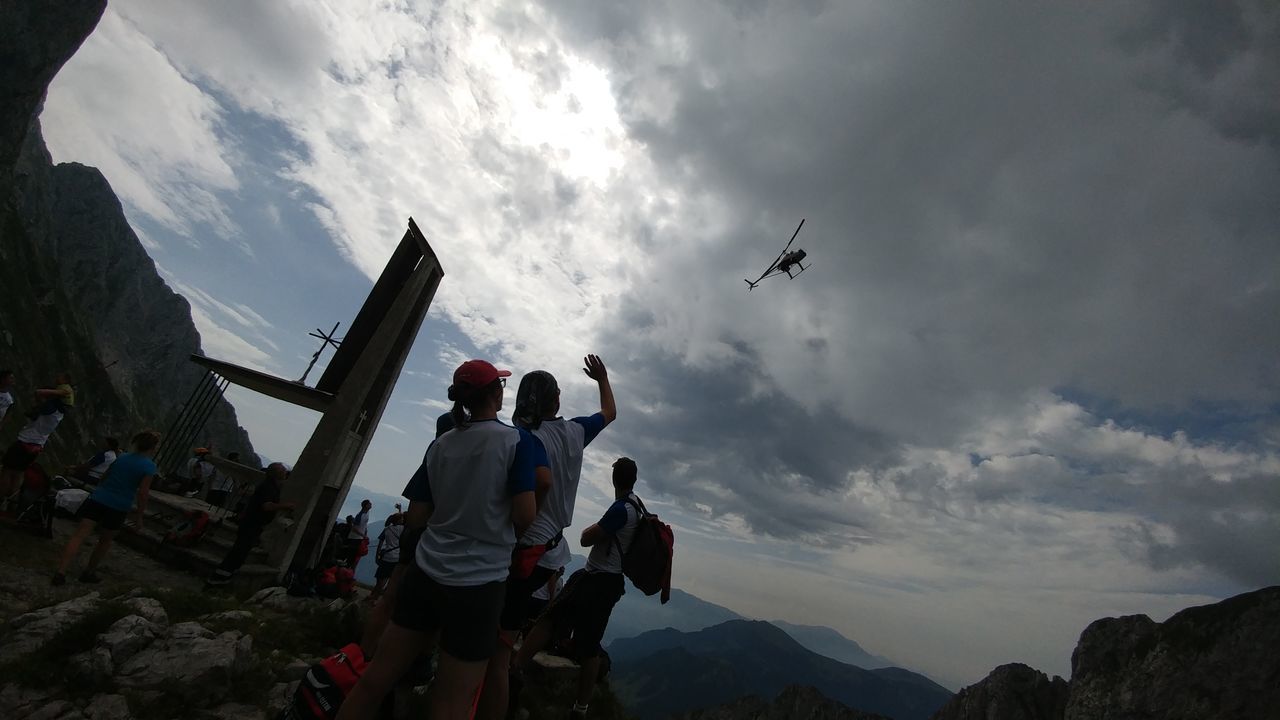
(204,467)
(542,593)
(390,543)
(359,526)
(108,457)
(6,402)
(470,477)
(619,523)
(37,431)
(564,441)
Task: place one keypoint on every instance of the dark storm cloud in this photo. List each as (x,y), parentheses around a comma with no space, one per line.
(995,175)
(1002,199)
(710,437)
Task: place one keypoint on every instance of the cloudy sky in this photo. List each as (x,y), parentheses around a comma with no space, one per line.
(1032,378)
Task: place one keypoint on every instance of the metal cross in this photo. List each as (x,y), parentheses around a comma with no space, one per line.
(328,339)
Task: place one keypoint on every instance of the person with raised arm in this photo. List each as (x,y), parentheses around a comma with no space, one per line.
(478,494)
(541,551)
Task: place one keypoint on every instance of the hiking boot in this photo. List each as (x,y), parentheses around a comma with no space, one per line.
(89,577)
(58,579)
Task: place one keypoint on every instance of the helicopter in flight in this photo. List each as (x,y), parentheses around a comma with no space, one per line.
(786,262)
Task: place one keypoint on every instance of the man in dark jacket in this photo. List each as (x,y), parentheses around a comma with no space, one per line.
(258,513)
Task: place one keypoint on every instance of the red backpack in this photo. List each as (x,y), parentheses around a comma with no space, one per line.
(321,691)
(189,530)
(647,560)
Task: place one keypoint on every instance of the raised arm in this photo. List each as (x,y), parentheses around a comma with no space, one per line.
(596,370)
(52,392)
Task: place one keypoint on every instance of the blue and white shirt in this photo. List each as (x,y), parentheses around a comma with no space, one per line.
(619,523)
(564,441)
(469,476)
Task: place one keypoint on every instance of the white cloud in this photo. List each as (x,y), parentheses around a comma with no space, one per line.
(987,236)
(120,106)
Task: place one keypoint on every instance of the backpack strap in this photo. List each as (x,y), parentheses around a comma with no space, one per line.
(641,513)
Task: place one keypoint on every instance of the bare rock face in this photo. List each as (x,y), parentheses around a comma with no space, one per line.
(190,656)
(126,637)
(81,294)
(36,39)
(1215,662)
(1010,692)
(34,629)
(1209,662)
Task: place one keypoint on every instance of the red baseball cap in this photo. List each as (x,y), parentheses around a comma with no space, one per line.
(477,373)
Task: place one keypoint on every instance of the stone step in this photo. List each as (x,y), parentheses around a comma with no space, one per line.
(198,560)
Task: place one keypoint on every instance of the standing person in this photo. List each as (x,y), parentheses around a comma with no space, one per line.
(478,490)
(387,555)
(541,550)
(357,539)
(128,478)
(258,513)
(221,484)
(52,405)
(198,470)
(6,392)
(94,468)
(588,598)
(414,522)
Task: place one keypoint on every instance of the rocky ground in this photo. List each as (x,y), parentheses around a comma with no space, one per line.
(149,642)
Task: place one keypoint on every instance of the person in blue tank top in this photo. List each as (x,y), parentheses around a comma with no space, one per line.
(477,481)
(129,477)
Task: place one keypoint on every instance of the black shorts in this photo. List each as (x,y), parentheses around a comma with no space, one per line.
(385,568)
(585,605)
(20,455)
(515,609)
(467,617)
(107,518)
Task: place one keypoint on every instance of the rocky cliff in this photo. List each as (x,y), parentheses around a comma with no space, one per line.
(1010,691)
(36,39)
(80,292)
(1205,663)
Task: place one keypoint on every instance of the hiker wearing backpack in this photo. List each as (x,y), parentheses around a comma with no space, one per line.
(541,550)
(477,483)
(588,598)
(128,478)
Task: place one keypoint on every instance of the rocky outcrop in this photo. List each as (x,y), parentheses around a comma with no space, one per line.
(81,294)
(795,702)
(1010,692)
(1215,662)
(36,39)
(116,658)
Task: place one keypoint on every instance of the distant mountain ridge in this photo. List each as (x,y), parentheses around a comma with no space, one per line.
(666,672)
(826,641)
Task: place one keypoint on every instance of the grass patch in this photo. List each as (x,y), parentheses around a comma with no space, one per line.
(183,605)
